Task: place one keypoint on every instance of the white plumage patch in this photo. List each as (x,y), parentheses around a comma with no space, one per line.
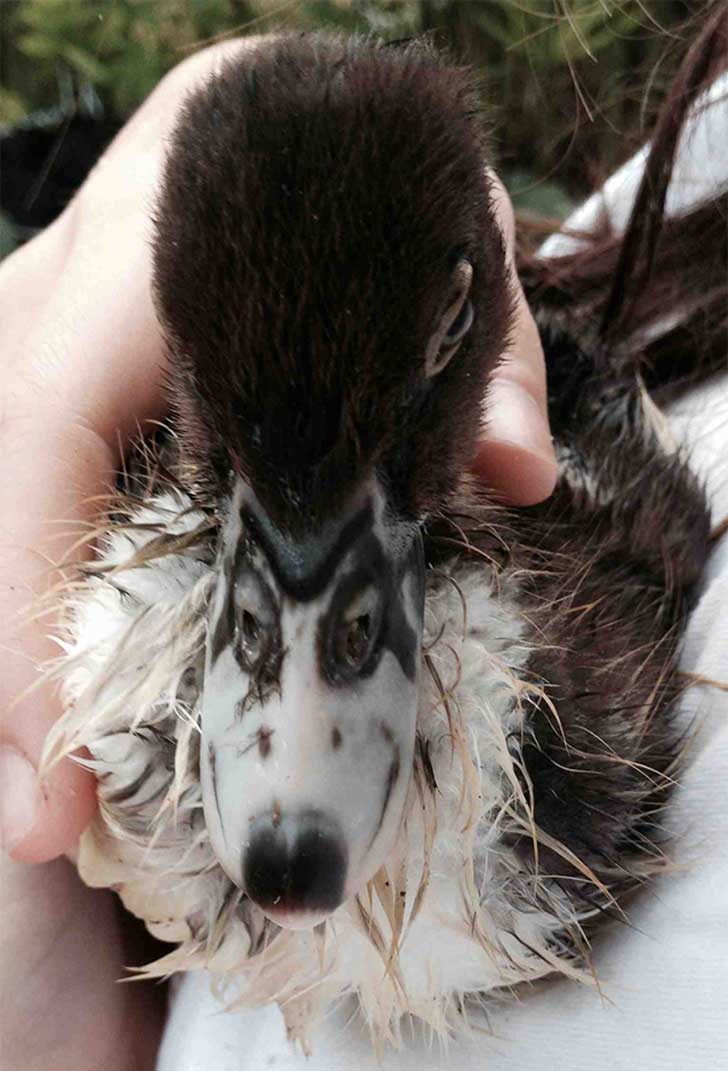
(454,911)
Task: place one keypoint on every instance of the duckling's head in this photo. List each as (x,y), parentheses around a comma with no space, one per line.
(332,286)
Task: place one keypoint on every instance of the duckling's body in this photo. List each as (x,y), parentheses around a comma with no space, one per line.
(433,794)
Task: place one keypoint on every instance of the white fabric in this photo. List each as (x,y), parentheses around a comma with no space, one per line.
(700,171)
(663,1003)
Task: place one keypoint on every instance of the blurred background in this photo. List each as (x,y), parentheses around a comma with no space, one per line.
(572,85)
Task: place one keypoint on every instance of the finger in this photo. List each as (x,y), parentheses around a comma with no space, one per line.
(89,366)
(515,456)
(83,359)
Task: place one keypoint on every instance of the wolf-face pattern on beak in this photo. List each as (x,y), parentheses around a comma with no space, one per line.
(309,702)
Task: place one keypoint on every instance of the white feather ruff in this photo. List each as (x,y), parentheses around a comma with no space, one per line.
(455,912)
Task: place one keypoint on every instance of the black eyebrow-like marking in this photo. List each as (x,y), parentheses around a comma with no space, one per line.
(224,630)
(298,573)
(264,745)
(265,672)
(212,758)
(372,568)
(400,637)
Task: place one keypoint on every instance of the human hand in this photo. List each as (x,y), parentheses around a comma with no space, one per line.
(516,456)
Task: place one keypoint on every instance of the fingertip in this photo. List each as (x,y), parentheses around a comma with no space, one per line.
(516,455)
(514,474)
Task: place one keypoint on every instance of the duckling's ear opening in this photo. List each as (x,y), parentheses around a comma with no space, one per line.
(455,321)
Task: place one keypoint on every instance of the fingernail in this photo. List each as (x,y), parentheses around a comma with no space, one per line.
(19,797)
(513,416)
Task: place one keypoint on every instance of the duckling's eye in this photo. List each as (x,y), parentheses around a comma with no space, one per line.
(354,641)
(460,326)
(352,637)
(455,321)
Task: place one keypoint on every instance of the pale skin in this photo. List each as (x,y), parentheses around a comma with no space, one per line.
(81,371)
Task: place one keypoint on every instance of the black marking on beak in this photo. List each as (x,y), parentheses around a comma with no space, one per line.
(264,746)
(377,580)
(249,604)
(392,778)
(212,759)
(336,738)
(303,568)
(189,686)
(298,863)
(261,738)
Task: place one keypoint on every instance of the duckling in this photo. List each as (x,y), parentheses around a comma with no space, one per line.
(356,726)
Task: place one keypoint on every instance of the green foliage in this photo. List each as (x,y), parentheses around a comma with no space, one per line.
(535,196)
(565,78)
(121,47)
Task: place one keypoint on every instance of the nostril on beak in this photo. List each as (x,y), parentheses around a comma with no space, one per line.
(297,865)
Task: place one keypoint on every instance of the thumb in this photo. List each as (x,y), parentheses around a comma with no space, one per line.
(39,820)
(79,373)
(515,457)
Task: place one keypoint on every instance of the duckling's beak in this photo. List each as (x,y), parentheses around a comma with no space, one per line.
(310,702)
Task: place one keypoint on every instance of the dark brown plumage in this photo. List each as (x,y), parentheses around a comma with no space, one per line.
(316,200)
(606,568)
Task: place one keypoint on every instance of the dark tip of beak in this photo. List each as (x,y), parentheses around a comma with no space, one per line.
(296,865)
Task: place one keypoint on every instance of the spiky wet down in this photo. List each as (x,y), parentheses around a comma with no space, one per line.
(453,910)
